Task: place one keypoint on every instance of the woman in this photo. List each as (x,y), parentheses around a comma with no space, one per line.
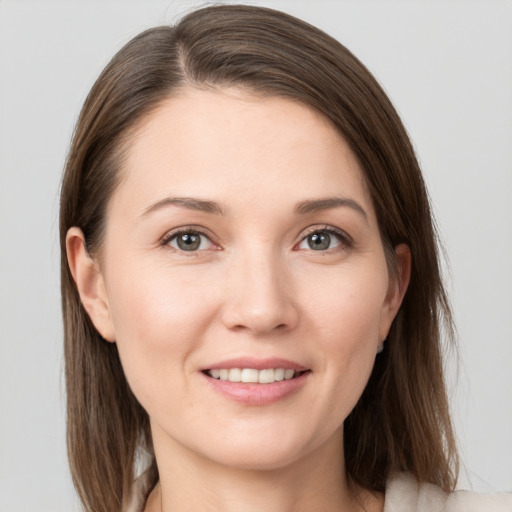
(251,292)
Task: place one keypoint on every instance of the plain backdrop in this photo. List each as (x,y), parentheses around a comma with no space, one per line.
(447,65)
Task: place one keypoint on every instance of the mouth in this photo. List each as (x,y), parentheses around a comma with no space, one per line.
(256,382)
(253,375)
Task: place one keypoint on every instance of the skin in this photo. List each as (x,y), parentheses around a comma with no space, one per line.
(253,288)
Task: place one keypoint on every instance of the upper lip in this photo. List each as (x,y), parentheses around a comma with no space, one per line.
(256,364)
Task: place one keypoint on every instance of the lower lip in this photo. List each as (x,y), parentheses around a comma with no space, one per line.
(257,394)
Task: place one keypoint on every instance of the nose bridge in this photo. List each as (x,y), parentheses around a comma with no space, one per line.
(259,292)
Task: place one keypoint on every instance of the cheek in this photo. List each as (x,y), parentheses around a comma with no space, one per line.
(344,316)
(155,303)
(159,319)
(345,306)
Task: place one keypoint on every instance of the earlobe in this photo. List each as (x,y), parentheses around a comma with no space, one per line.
(398,284)
(89,282)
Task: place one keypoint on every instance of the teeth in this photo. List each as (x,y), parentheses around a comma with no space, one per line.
(235,375)
(288,374)
(266,376)
(250,375)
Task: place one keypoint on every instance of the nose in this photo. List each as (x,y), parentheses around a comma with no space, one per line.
(260,295)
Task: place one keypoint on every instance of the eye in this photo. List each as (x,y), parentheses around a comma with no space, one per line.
(189,241)
(323,240)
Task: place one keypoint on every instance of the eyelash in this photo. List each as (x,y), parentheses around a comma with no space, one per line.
(186,230)
(345,241)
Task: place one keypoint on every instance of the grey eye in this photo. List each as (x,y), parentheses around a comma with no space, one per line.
(320,241)
(189,241)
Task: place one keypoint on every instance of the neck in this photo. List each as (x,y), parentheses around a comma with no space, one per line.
(316,481)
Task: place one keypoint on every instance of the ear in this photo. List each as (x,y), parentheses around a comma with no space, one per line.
(398,284)
(89,282)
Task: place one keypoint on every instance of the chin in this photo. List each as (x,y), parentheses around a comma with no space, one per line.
(259,453)
(255,460)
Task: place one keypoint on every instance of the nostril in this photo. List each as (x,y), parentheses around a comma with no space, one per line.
(259,328)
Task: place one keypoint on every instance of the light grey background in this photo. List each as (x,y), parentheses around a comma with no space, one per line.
(447,65)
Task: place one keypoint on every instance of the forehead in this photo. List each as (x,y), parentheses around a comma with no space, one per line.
(235,147)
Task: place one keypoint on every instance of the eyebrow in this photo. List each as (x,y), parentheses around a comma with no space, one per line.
(186,202)
(302,208)
(316,205)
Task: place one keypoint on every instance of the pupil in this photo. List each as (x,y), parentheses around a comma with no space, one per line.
(319,241)
(189,241)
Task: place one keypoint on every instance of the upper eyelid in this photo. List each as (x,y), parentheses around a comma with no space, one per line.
(173,233)
(326,227)
(346,242)
(167,239)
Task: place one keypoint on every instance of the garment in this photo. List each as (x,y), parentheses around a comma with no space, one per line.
(403,494)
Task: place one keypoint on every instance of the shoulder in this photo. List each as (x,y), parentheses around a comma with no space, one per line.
(405,494)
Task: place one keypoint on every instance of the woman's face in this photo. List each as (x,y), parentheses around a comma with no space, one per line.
(242,244)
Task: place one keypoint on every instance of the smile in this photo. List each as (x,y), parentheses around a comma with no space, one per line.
(254,376)
(255,381)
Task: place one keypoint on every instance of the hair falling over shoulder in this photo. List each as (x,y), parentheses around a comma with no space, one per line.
(401,422)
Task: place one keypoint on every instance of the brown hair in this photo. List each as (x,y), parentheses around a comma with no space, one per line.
(402,420)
